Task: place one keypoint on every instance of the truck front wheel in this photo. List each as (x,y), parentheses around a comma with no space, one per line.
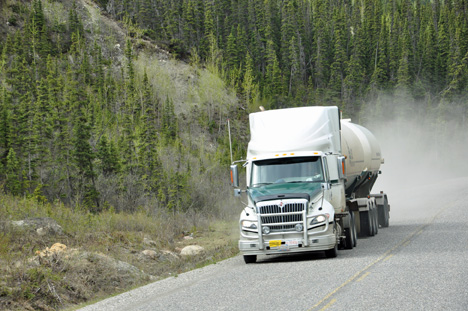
(332,253)
(250,259)
(349,233)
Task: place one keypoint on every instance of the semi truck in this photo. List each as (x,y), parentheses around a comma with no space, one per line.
(309,176)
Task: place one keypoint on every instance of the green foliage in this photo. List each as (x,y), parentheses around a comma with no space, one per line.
(318,51)
(13,174)
(78,126)
(87,122)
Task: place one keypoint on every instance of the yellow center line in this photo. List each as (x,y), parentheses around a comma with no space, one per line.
(328,305)
(386,256)
(406,243)
(362,277)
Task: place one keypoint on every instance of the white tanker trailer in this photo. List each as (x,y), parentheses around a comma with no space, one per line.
(309,177)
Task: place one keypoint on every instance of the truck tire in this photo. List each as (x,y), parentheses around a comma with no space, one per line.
(376,220)
(384,215)
(348,239)
(354,229)
(372,223)
(349,233)
(333,252)
(250,259)
(366,223)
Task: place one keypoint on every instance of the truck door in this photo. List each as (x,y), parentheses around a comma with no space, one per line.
(337,194)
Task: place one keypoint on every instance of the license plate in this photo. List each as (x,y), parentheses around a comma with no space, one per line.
(292,242)
(275,243)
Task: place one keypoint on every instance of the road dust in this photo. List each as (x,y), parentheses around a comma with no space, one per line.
(425,149)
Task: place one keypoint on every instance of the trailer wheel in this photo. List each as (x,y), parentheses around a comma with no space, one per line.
(353,221)
(372,223)
(366,223)
(250,259)
(333,252)
(384,215)
(376,219)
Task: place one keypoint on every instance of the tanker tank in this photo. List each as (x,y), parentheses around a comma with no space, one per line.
(363,158)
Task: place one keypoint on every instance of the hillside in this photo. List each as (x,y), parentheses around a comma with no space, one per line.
(106,136)
(94,115)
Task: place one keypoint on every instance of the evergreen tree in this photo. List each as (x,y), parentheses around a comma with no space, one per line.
(83,157)
(337,68)
(169,124)
(13,175)
(249,88)
(107,156)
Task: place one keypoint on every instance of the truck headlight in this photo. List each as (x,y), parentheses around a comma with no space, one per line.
(299,227)
(266,230)
(318,219)
(250,225)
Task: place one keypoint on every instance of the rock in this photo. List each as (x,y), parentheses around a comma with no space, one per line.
(42,231)
(149,242)
(168,255)
(99,259)
(42,226)
(192,250)
(150,254)
(188,237)
(57,248)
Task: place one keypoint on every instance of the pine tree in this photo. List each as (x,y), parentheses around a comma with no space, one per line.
(148,150)
(107,156)
(337,69)
(443,50)
(74,22)
(249,88)
(42,128)
(13,176)
(379,77)
(169,121)
(294,74)
(274,82)
(5,126)
(130,89)
(83,157)
(457,70)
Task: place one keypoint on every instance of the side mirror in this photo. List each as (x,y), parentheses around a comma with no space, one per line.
(234,176)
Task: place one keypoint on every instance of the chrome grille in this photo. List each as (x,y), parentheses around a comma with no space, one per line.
(275,219)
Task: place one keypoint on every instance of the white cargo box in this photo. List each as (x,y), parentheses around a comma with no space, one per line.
(294,130)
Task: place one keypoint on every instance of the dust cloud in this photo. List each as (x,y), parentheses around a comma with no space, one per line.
(422,145)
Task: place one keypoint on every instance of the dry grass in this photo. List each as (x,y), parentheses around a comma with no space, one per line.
(104,252)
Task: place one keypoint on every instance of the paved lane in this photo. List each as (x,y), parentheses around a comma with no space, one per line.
(418,263)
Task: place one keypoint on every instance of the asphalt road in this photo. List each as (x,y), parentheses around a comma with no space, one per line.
(419,263)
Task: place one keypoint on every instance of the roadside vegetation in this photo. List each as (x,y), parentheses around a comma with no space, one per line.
(105,253)
(113,158)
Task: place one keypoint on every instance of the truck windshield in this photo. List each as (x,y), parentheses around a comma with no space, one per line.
(287,170)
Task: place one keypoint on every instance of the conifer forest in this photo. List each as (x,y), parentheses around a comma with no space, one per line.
(86,119)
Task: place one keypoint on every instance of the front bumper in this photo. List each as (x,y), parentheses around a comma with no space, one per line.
(319,238)
(288,245)
(282,218)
